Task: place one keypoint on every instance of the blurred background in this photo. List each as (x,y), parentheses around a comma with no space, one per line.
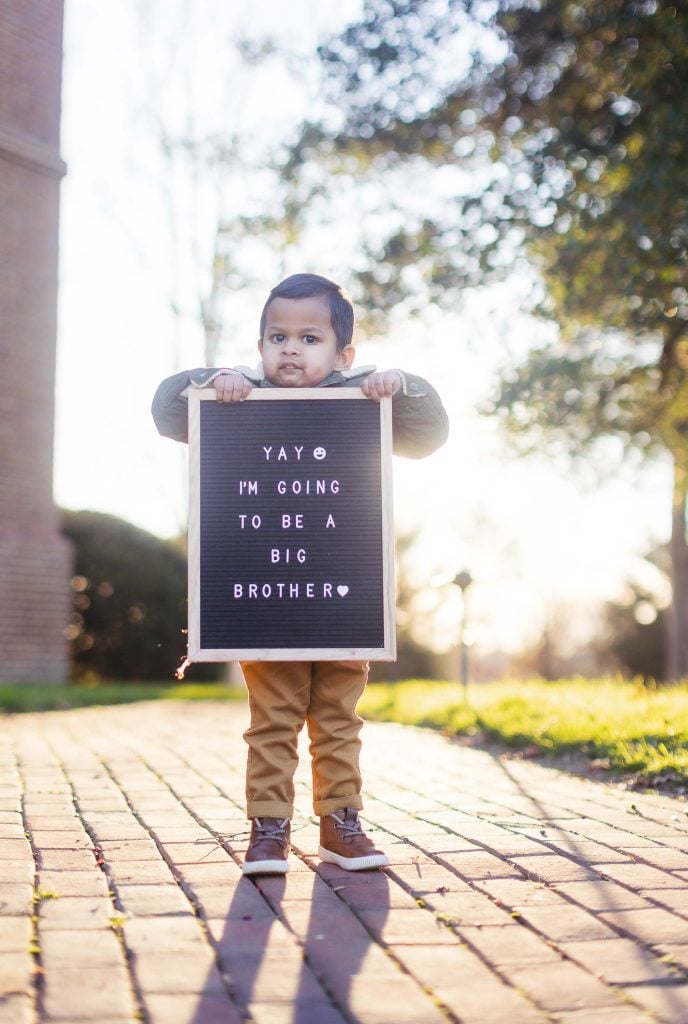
(502,188)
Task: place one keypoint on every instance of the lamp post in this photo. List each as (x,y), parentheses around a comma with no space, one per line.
(463,581)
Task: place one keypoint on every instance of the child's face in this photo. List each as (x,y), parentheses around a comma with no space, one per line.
(299,346)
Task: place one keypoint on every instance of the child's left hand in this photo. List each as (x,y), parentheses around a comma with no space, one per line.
(382,384)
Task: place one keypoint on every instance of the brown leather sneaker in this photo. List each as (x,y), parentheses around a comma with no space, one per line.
(268,847)
(343,842)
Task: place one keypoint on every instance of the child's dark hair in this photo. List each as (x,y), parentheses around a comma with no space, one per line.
(306,286)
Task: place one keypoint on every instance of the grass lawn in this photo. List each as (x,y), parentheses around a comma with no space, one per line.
(615,725)
(611,725)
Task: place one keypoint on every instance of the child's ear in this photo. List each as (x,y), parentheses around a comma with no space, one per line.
(345,358)
(260,345)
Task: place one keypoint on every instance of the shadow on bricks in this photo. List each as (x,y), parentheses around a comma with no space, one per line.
(295,940)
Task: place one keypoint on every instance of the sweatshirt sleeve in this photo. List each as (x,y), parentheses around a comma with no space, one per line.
(170,404)
(419,422)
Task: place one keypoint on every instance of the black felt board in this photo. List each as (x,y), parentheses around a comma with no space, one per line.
(292,554)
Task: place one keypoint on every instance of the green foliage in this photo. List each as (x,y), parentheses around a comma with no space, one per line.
(634,627)
(638,648)
(575,114)
(557,130)
(129,615)
(568,119)
(627,725)
(22,698)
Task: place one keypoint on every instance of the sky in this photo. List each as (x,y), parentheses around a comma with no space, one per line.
(539,543)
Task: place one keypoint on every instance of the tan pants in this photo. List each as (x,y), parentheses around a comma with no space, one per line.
(282,696)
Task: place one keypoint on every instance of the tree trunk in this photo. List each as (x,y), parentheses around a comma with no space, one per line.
(677,653)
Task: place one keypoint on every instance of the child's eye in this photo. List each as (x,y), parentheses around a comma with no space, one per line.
(277,338)
(310,339)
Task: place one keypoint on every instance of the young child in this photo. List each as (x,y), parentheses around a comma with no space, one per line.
(305,341)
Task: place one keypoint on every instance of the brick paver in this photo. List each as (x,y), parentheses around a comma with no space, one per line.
(516,893)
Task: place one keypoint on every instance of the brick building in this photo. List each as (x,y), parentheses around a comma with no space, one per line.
(34,558)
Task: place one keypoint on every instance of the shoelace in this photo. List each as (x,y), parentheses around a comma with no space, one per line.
(276,832)
(348,828)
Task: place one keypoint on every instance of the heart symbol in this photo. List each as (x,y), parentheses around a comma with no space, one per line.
(342,591)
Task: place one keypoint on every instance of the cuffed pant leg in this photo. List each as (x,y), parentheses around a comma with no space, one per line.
(278,696)
(333,728)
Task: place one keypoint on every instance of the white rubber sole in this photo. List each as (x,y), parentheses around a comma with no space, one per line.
(265,867)
(373,860)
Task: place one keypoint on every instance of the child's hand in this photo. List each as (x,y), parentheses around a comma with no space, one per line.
(231,387)
(381,384)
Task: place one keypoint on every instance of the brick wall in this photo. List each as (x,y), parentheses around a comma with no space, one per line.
(35,561)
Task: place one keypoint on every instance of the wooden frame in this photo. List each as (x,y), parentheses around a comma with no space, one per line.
(383,612)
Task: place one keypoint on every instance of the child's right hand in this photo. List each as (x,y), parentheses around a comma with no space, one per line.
(231,386)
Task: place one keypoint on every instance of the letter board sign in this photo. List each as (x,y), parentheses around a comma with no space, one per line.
(291,553)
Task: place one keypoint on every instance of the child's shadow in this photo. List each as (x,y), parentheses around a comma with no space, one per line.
(296,941)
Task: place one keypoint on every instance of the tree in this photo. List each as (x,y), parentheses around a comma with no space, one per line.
(232,220)
(564,122)
(129,614)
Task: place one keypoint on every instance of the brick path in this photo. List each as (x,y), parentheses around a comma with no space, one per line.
(516,894)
